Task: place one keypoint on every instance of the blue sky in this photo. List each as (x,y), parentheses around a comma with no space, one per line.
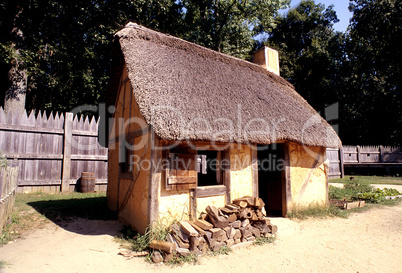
(341,8)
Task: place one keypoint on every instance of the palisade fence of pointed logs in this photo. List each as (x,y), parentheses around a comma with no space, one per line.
(52,150)
(386,157)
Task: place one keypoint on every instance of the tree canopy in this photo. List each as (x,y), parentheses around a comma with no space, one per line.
(373,84)
(310,51)
(359,69)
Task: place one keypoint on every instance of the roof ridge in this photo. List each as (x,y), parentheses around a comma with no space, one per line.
(232,59)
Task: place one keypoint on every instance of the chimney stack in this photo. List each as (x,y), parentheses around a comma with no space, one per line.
(267,58)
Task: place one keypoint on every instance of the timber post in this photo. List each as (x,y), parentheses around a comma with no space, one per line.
(68,128)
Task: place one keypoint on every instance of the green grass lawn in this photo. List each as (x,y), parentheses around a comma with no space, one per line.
(369,180)
(33,210)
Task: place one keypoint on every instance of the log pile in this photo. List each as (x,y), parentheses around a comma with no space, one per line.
(241,221)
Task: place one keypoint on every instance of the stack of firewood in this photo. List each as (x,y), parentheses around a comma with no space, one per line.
(241,221)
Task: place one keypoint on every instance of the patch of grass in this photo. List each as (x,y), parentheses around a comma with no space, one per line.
(264,240)
(9,232)
(369,179)
(317,211)
(180,260)
(224,250)
(33,210)
(140,242)
(2,264)
(61,206)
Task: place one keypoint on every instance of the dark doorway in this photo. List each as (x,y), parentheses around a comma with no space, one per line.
(271,167)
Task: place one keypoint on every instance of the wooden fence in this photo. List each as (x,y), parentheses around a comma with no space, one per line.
(362,156)
(8,187)
(52,150)
(335,158)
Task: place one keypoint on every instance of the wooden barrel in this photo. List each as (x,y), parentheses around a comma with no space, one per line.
(87,182)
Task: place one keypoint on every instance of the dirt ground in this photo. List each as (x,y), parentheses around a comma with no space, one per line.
(365,242)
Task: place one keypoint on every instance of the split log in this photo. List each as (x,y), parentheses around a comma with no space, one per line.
(256,232)
(161,245)
(236,224)
(187,228)
(232,217)
(248,199)
(245,223)
(180,242)
(245,232)
(157,257)
(259,203)
(217,220)
(231,233)
(237,234)
(217,246)
(217,233)
(183,252)
(227,211)
(202,243)
(230,242)
(198,229)
(242,204)
(172,240)
(259,214)
(194,243)
(254,216)
(203,224)
(245,213)
(178,233)
(273,228)
(232,207)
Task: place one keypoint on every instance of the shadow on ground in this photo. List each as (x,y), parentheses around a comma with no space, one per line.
(87,216)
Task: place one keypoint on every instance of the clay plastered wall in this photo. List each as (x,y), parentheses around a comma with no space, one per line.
(173,205)
(307,175)
(203,202)
(241,180)
(127,118)
(135,212)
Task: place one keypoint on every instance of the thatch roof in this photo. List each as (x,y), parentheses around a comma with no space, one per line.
(186,91)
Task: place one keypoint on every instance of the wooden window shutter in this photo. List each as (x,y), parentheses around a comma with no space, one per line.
(181,172)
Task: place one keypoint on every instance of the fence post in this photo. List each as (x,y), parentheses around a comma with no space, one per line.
(358,153)
(68,128)
(341,162)
(381,156)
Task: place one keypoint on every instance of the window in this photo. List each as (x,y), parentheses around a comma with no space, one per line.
(209,168)
(188,168)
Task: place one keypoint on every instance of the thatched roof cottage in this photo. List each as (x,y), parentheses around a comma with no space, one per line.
(194,127)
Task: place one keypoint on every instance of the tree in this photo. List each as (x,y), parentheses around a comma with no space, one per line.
(310,52)
(373,86)
(68,46)
(229,26)
(17,74)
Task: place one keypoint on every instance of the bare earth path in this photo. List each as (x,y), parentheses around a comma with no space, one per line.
(365,242)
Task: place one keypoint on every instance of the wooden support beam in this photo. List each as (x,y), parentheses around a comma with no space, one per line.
(254,169)
(286,183)
(68,128)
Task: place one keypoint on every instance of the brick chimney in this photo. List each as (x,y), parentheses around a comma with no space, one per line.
(267,58)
